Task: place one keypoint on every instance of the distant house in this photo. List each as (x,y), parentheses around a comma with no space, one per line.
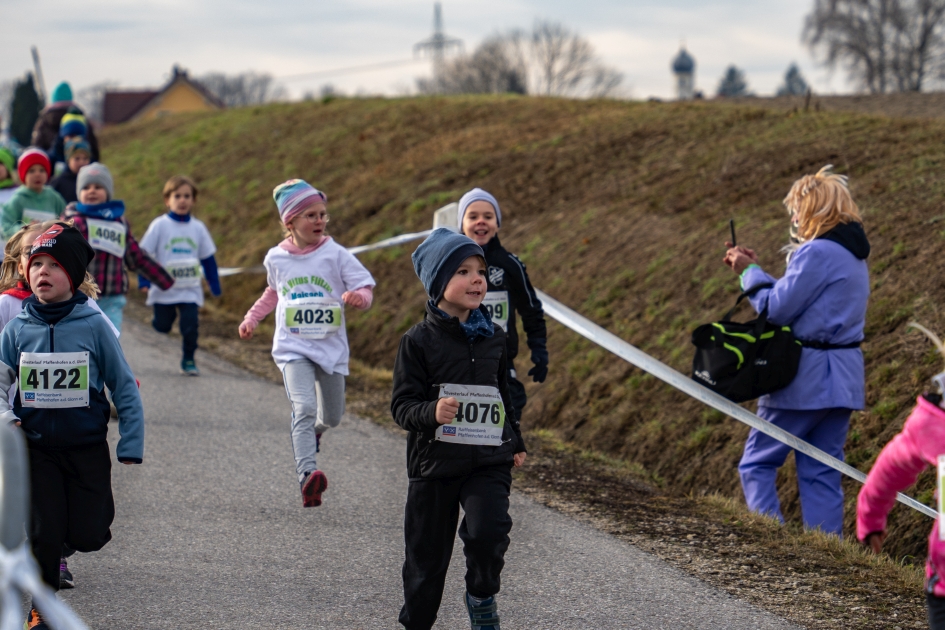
(181,94)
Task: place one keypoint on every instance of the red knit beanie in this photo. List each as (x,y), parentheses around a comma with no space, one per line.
(31,157)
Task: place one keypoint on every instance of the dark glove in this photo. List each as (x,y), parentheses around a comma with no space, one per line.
(540,372)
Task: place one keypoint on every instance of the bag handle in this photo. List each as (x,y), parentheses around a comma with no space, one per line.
(747,294)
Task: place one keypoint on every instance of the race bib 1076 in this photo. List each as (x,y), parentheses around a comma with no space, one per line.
(497,303)
(50,380)
(313,318)
(480,419)
(110,237)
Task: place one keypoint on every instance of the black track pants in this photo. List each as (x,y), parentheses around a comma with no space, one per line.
(71,497)
(429,529)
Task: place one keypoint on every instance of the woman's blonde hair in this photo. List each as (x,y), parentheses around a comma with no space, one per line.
(13,251)
(821,202)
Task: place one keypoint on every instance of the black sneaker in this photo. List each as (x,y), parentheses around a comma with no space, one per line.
(65,576)
(485,616)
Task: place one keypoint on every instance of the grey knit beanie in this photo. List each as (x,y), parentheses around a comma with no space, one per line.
(95,173)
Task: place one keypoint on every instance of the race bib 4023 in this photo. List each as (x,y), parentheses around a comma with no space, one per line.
(313,318)
(480,419)
(54,379)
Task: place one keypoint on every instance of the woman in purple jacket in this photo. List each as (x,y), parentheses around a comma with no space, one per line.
(822,297)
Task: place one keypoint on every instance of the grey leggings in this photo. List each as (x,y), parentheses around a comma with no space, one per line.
(318,402)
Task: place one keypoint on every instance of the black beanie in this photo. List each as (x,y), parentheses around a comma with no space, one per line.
(66,246)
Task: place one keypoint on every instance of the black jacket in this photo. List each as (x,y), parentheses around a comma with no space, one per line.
(65,184)
(436,352)
(507,273)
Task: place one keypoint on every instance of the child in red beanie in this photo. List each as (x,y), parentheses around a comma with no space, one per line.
(34,201)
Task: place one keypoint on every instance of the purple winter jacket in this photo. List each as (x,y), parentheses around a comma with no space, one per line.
(822,297)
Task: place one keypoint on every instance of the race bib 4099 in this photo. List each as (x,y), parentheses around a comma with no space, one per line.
(480,419)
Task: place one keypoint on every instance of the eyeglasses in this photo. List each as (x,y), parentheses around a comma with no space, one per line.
(315,218)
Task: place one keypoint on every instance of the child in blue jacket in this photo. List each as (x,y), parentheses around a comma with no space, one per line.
(62,355)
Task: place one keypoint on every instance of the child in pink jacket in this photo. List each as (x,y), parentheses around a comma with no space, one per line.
(919,444)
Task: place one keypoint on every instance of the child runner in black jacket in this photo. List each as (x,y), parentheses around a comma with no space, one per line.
(451,393)
(510,290)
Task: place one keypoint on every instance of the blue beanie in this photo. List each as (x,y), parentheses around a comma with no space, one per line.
(438,258)
(478,194)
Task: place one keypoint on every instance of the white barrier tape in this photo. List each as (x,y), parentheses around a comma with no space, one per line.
(360,249)
(645,362)
(609,341)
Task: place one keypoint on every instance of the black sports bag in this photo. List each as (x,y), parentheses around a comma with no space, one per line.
(745,361)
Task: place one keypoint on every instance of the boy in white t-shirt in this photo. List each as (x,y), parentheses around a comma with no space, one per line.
(183,245)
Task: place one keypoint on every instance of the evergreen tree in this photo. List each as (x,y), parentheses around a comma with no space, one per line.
(794,83)
(25,110)
(733,83)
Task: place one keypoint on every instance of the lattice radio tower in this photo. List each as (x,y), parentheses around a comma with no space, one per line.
(438,45)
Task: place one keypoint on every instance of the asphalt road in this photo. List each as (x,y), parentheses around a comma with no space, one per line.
(210,531)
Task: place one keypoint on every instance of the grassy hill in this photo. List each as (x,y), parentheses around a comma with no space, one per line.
(619,210)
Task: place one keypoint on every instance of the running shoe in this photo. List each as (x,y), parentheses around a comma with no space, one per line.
(35,621)
(188,367)
(65,576)
(484,616)
(313,485)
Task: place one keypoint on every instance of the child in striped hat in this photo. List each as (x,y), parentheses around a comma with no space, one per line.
(311,279)
(34,201)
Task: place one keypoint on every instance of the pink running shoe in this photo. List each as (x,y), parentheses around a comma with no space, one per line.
(312,488)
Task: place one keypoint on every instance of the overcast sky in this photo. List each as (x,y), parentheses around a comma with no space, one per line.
(136,43)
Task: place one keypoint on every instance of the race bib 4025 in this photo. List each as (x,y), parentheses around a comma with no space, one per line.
(54,379)
(186,272)
(480,419)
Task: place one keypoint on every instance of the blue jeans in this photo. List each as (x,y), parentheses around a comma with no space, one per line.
(819,485)
(113,306)
(164,316)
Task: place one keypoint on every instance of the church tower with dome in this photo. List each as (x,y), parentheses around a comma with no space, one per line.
(684,67)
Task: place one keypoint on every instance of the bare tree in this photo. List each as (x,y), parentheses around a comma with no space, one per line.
(885,45)
(497,66)
(562,59)
(246,88)
(551,60)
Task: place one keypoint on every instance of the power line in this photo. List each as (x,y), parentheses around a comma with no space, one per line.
(349,70)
